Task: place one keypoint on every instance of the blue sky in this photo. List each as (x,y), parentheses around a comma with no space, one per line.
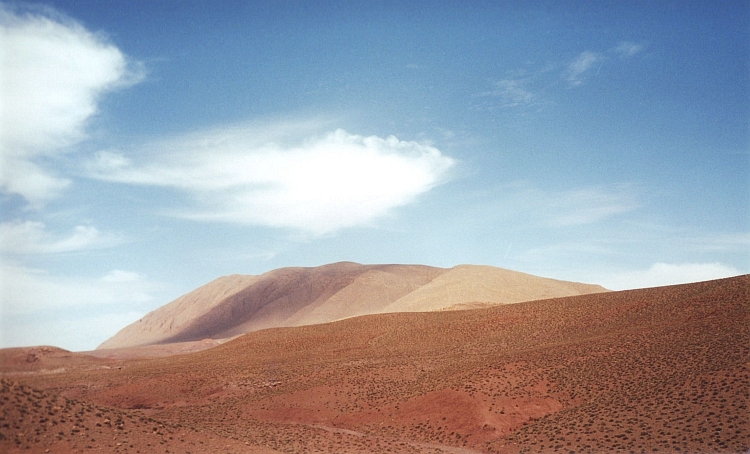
(150,147)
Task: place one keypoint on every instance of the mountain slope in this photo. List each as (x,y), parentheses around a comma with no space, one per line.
(172,318)
(471,283)
(235,305)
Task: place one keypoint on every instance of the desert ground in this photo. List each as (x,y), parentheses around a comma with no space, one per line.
(658,370)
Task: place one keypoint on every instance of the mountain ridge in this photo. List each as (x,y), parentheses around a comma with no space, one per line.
(237,304)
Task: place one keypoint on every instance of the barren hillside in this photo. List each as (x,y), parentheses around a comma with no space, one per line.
(234,305)
(485,284)
(660,370)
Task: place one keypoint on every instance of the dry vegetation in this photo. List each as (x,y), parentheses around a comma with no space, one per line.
(647,371)
(36,421)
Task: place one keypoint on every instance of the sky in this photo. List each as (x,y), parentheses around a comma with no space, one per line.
(147,148)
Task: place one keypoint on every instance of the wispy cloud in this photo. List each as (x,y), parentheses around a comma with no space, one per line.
(54,74)
(528,87)
(26,290)
(512,92)
(566,250)
(722,242)
(660,274)
(523,88)
(318,184)
(578,69)
(573,207)
(588,205)
(628,49)
(29,237)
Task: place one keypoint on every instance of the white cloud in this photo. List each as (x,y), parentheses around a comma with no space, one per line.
(578,68)
(26,291)
(23,177)
(273,178)
(660,274)
(31,237)
(52,74)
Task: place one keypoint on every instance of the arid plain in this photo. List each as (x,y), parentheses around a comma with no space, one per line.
(653,370)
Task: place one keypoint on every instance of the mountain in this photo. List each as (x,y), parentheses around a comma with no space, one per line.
(234,305)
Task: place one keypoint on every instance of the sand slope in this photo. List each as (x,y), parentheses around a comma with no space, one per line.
(234,305)
(485,284)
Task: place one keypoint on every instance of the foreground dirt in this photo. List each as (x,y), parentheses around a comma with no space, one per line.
(35,421)
(653,370)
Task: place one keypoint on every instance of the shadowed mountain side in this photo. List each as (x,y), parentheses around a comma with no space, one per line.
(174,317)
(370,293)
(283,298)
(466,284)
(304,296)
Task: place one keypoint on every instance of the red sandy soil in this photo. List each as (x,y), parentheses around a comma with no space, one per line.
(34,421)
(155,351)
(647,371)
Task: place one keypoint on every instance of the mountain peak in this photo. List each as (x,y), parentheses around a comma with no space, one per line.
(237,304)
